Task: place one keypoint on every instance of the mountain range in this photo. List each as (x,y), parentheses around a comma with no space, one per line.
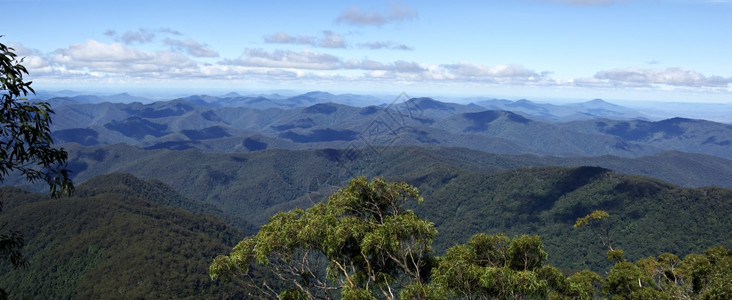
(185,123)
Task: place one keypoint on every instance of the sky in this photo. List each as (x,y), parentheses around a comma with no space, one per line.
(675,50)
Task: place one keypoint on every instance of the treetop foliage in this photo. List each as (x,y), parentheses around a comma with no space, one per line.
(360,243)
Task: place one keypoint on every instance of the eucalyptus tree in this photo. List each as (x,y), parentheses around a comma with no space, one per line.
(359,244)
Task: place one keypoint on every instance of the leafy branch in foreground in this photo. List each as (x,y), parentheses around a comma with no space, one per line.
(25,137)
(360,244)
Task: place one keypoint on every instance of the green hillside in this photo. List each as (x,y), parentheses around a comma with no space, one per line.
(648,216)
(117,238)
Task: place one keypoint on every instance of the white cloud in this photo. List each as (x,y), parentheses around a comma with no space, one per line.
(498,71)
(355,15)
(92,50)
(169,31)
(399,66)
(145,36)
(329,39)
(332,40)
(191,47)
(365,64)
(385,45)
(33,60)
(670,76)
(285,38)
(140,36)
(306,59)
(94,61)
(118,59)
(402,66)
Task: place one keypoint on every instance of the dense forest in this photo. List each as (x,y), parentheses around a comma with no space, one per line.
(117,224)
(117,237)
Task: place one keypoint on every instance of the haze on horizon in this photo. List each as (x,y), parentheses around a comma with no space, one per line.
(676,50)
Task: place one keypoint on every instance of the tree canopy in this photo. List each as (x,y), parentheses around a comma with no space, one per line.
(359,244)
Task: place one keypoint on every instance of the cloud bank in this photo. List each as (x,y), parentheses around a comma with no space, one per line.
(669,76)
(180,59)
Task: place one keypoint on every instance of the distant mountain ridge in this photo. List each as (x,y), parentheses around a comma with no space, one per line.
(592,109)
(544,111)
(208,126)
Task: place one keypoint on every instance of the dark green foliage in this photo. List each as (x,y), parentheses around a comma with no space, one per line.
(118,238)
(493,267)
(626,280)
(159,193)
(10,244)
(710,274)
(697,276)
(656,217)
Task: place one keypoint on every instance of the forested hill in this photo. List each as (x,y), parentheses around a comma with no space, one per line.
(648,216)
(118,237)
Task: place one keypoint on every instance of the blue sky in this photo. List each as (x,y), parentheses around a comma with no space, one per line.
(538,49)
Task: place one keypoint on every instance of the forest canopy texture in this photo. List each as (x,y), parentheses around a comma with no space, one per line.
(363,244)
